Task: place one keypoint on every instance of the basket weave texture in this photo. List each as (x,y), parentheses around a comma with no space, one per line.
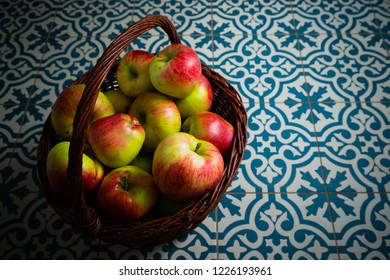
(82,215)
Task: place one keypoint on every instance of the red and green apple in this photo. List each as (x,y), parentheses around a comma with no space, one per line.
(158,115)
(185,168)
(175,70)
(210,127)
(119,100)
(200,99)
(57,168)
(116,140)
(126,194)
(65,107)
(133,74)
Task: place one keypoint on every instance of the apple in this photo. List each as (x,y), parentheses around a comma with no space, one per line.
(185,168)
(57,166)
(119,100)
(175,70)
(133,73)
(126,194)
(200,99)
(158,115)
(168,207)
(65,107)
(144,160)
(116,140)
(210,127)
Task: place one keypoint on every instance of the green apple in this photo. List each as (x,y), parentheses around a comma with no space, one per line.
(133,73)
(200,99)
(144,160)
(126,194)
(119,101)
(57,166)
(116,140)
(65,107)
(158,115)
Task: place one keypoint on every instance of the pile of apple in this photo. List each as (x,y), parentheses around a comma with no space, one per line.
(153,143)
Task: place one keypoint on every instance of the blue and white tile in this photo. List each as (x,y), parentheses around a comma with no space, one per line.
(67,58)
(262,69)
(362,225)
(12,119)
(382,14)
(25,108)
(346,66)
(188,17)
(19,64)
(331,16)
(94,17)
(281,153)
(252,17)
(274,226)
(355,147)
(31,230)
(19,18)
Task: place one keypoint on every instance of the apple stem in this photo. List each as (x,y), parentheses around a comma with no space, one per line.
(198,145)
(125,185)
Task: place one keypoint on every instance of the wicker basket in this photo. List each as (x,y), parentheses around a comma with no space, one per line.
(82,215)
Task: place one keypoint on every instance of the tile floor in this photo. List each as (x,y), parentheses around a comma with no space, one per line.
(315,78)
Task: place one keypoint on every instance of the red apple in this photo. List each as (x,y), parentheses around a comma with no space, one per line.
(65,107)
(210,127)
(158,115)
(200,99)
(57,165)
(116,140)
(175,71)
(133,73)
(126,194)
(119,101)
(185,168)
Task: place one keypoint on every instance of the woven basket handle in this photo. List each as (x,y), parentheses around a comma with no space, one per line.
(87,217)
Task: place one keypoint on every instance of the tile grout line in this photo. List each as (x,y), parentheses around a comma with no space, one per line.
(323,175)
(380,29)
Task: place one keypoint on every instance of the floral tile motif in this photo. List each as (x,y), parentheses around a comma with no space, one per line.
(274,226)
(333,16)
(19,66)
(262,68)
(189,17)
(31,230)
(18,18)
(280,148)
(94,18)
(252,17)
(66,59)
(346,67)
(355,148)
(362,225)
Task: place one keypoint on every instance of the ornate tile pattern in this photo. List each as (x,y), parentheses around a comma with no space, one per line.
(315,79)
